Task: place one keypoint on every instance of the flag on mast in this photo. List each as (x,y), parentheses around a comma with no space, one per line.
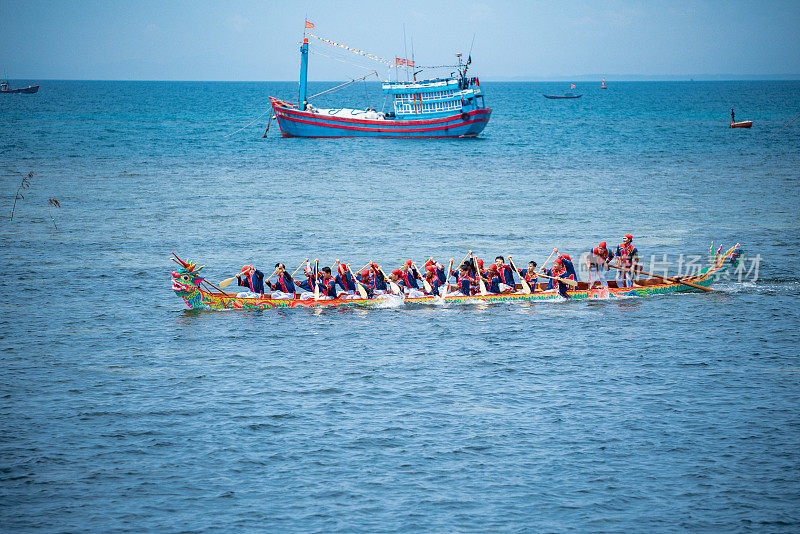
(310,25)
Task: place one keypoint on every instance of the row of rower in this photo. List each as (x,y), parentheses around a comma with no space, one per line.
(470,277)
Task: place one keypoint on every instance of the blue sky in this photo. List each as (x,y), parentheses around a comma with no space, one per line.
(258,40)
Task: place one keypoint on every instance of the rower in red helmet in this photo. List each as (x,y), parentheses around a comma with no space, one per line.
(597,261)
(628,259)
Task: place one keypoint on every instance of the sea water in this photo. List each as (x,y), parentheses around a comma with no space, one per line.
(123,411)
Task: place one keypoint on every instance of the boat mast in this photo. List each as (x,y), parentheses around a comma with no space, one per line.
(303,100)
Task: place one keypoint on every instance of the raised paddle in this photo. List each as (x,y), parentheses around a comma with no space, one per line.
(316,281)
(392,284)
(361,290)
(446,278)
(548,259)
(525,287)
(425,283)
(667,278)
(481,284)
(227,281)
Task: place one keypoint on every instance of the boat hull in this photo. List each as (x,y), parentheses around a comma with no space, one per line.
(742,124)
(196,298)
(295,123)
(561,97)
(31,89)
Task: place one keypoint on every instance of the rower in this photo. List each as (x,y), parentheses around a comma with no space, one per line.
(252,279)
(283,288)
(597,261)
(409,275)
(345,280)
(366,281)
(327,285)
(627,258)
(378,279)
(308,284)
(432,277)
(397,277)
(464,280)
(492,280)
(439,270)
(560,270)
(529,274)
(506,273)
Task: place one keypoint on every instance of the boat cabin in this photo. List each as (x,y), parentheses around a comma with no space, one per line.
(439,97)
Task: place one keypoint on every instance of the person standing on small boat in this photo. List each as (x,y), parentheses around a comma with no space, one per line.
(627,258)
(252,279)
(283,288)
(732,117)
(597,261)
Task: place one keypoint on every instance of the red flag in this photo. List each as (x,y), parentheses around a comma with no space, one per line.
(572,86)
(310,25)
(398,61)
(409,63)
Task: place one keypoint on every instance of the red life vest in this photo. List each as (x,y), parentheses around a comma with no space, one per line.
(625,253)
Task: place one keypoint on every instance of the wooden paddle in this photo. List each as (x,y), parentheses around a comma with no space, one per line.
(361,290)
(481,284)
(669,279)
(525,287)
(316,276)
(446,278)
(573,283)
(392,284)
(425,283)
(548,259)
(227,281)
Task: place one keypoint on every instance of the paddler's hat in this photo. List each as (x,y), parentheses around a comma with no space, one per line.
(480,263)
(397,272)
(629,236)
(429,263)
(407,263)
(248,268)
(364,273)
(430,269)
(603,245)
(342,268)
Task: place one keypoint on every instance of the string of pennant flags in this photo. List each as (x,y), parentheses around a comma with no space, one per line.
(398,62)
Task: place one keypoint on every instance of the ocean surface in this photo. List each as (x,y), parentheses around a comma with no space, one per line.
(121,411)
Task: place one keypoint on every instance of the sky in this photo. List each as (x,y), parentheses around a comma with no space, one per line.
(258,40)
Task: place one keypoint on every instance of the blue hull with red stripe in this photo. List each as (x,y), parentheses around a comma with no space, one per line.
(295,123)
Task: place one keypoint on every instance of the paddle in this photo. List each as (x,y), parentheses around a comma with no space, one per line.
(548,259)
(525,287)
(567,281)
(446,278)
(316,276)
(669,279)
(481,284)
(392,284)
(425,283)
(361,290)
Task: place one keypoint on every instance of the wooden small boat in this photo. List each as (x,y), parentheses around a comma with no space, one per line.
(186,283)
(5,88)
(742,124)
(553,97)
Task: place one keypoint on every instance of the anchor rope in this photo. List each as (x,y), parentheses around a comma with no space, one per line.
(251,122)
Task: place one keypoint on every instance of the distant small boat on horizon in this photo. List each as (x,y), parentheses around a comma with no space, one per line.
(568,94)
(5,88)
(603,85)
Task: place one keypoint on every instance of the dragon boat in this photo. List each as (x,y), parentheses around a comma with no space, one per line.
(187,282)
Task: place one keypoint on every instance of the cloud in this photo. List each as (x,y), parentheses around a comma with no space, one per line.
(236,23)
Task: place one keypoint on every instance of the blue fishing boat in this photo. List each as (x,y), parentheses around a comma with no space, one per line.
(441,107)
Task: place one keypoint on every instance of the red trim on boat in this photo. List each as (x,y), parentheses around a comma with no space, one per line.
(392,130)
(287,111)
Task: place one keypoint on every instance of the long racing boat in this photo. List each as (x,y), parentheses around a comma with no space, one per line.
(187,284)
